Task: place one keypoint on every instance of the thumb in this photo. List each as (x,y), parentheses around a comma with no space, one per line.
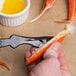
(52,51)
(55,55)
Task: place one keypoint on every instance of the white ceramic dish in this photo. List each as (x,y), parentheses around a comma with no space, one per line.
(15,19)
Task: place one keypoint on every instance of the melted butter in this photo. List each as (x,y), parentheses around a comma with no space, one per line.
(13,6)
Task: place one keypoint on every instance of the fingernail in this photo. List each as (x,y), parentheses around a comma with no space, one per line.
(27,55)
(55,47)
(36,49)
(32,50)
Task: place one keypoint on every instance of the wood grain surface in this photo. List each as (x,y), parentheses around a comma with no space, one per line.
(45,26)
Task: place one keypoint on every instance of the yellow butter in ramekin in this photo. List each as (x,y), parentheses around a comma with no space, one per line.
(14,12)
(13,6)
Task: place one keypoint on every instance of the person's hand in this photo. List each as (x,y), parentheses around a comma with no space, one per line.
(52,64)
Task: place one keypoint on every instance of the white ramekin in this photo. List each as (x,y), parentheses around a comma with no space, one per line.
(15,19)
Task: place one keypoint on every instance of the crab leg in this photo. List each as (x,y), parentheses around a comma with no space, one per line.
(75,9)
(72,11)
(48,4)
(5,65)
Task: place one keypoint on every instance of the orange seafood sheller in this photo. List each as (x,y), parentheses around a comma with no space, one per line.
(58,38)
(42,49)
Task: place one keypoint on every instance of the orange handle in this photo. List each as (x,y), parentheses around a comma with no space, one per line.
(42,49)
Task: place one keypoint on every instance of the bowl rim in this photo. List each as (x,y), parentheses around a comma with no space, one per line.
(18,14)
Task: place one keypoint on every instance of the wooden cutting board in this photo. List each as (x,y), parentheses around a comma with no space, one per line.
(45,26)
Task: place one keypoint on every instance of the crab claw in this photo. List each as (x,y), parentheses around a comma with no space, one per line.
(4,64)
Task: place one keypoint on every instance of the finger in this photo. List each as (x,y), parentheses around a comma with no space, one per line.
(51,56)
(56,51)
(28,54)
(33,49)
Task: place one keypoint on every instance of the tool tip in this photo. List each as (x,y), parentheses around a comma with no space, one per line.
(71,27)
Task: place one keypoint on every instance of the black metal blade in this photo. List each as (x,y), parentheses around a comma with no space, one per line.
(16,40)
